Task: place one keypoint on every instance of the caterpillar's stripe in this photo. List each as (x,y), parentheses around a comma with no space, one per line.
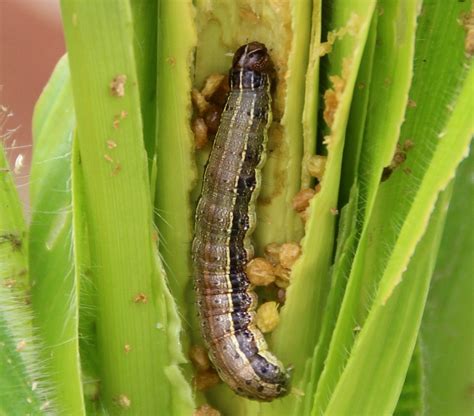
(225,219)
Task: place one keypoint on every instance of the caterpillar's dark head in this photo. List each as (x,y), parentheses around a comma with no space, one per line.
(252,66)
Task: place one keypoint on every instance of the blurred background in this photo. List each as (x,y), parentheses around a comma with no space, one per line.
(31,42)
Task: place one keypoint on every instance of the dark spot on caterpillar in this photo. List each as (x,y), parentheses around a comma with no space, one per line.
(248,182)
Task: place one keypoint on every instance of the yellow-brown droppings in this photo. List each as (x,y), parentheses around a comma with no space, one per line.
(301,200)
(200,103)
(206,410)
(123,401)
(213,82)
(354,24)
(282,276)
(267,317)
(117,85)
(123,114)
(9,283)
(140,298)
(206,379)
(260,272)
(334,211)
(327,140)
(304,215)
(330,104)
(326,47)
(411,103)
(21,345)
(317,166)
(116,123)
(127,348)
(399,157)
(108,158)
(338,82)
(199,128)
(289,253)
(199,358)
(408,144)
(332,97)
(352,28)
(117,169)
(111,144)
(219,96)
(272,253)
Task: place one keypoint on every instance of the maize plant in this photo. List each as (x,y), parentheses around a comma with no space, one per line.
(372,117)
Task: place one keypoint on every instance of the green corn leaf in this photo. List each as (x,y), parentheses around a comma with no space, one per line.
(24,381)
(447,340)
(397,323)
(411,397)
(52,260)
(347,234)
(175,146)
(358,115)
(340,270)
(396,196)
(307,293)
(137,325)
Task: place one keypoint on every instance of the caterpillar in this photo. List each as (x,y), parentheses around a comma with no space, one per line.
(225,220)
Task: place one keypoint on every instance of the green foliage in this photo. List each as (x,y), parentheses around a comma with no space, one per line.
(447,340)
(52,245)
(24,385)
(383,89)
